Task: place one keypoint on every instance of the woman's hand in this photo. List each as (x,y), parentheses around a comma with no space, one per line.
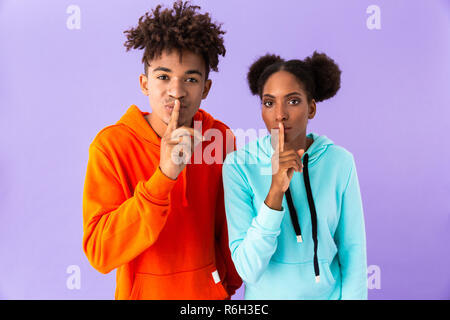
(284,164)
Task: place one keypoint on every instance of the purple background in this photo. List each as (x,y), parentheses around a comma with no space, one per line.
(59,87)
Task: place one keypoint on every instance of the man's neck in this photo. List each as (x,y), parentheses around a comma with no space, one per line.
(157,125)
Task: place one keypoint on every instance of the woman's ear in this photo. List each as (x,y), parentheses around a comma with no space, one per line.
(143,81)
(312,109)
(206,89)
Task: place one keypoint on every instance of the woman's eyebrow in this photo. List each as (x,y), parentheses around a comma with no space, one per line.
(288,95)
(293,94)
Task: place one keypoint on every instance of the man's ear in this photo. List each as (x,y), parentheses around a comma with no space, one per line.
(312,109)
(206,89)
(143,81)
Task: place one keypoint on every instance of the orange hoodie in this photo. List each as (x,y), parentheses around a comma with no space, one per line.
(167,238)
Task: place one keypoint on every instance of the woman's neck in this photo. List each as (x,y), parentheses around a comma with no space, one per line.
(301,142)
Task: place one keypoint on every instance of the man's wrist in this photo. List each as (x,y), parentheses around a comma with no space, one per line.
(168,176)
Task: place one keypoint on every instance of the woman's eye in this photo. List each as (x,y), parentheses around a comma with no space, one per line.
(267,104)
(162,77)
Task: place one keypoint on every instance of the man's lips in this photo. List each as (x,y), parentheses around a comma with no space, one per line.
(171,106)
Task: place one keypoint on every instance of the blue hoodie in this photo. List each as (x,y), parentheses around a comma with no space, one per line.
(264,243)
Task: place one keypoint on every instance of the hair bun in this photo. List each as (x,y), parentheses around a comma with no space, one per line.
(257,68)
(327,75)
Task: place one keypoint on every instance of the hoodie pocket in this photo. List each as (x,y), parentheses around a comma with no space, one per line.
(323,288)
(199,284)
(294,281)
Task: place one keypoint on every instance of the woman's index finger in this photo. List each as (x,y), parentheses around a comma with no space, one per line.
(281,137)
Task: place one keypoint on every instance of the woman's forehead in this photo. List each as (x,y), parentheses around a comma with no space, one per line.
(282,83)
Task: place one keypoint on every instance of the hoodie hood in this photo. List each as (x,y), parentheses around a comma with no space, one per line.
(315,151)
(134,120)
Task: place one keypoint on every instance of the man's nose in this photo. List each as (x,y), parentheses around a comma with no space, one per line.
(176,89)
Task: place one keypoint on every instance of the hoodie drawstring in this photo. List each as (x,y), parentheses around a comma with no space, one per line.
(312,209)
(294,217)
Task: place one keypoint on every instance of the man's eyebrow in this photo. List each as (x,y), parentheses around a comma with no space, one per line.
(162,69)
(194,72)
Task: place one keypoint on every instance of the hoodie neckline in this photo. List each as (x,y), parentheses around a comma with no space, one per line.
(135,120)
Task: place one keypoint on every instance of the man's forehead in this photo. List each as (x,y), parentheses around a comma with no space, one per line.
(173,61)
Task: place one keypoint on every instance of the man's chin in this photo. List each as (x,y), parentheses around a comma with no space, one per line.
(183,119)
(181,122)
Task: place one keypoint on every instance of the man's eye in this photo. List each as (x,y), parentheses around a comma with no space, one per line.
(294,101)
(191,80)
(268,104)
(162,77)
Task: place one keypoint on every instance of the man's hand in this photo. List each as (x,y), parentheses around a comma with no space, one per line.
(177,145)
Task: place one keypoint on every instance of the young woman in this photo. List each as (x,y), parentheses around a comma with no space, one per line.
(293,204)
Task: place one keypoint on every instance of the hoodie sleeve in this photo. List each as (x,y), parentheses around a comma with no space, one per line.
(232,279)
(350,238)
(252,236)
(117,229)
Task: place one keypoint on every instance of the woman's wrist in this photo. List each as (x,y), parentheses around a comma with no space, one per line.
(274,198)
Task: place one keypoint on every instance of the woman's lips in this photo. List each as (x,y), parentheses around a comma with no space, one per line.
(285,128)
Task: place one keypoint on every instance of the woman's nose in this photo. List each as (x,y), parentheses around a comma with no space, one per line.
(281,113)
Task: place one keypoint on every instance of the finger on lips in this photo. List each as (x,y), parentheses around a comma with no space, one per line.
(173,123)
(281,137)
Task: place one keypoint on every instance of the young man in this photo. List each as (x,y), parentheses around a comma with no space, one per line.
(159,221)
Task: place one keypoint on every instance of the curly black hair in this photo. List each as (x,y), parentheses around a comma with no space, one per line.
(181,27)
(319,74)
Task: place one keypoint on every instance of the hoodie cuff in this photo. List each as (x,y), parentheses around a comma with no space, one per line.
(269,218)
(159,185)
